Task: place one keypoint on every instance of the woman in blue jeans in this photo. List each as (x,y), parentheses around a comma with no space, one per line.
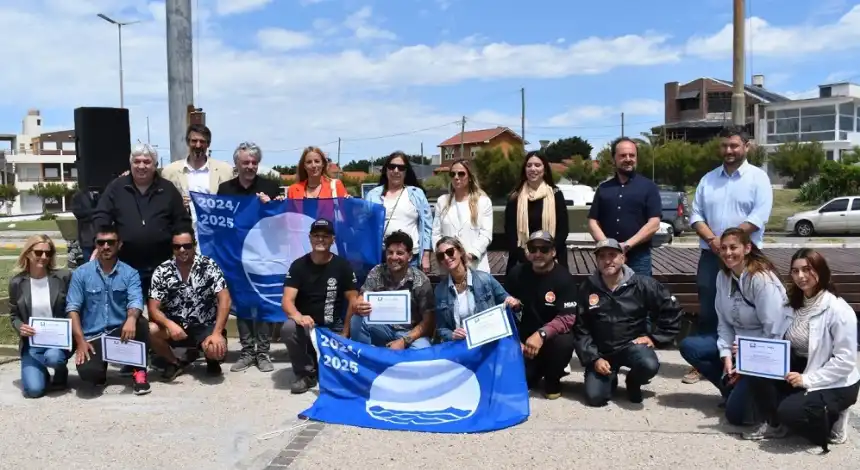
(463,291)
(750,301)
(39,290)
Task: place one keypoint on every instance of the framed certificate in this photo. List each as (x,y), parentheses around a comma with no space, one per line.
(54,333)
(389,307)
(130,353)
(760,357)
(488,326)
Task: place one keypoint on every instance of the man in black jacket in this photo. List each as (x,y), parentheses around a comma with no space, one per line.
(612,328)
(145,209)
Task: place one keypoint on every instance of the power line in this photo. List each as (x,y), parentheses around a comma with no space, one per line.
(607,126)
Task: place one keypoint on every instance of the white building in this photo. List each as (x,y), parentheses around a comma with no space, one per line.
(35,157)
(833,119)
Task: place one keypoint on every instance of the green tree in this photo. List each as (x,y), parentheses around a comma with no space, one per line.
(51,191)
(834,179)
(358,165)
(498,173)
(563,149)
(677,163)
(798,161)
(852,157)
(8,193)
(285,170)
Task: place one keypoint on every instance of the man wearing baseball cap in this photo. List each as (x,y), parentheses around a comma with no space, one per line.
(612,327)
(318,288)
(547,293)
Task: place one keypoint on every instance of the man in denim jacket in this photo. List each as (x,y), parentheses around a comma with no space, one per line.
(105,299)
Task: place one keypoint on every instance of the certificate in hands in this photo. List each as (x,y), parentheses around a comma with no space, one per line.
(760,357)
(130,353)
(488,326)
(54,333)
(390,307)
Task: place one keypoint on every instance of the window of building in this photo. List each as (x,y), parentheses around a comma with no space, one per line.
(38,122)
(449,153)
(816,123)
(688,104)
(825,92)
(719,102)
(49,145)
(846,117)
(68,146)
(838,205)
(52,172)
(829,155)
(817,136)
(473,152)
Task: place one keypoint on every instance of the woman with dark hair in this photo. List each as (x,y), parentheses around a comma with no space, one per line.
(823,337)
(535,204)
(411,214)
(465,213)
(750,302)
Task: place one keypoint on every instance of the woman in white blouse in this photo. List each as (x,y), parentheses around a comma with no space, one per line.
(823,380)
(465,213)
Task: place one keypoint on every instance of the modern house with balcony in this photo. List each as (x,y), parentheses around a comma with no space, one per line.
(832,118)
(34,157)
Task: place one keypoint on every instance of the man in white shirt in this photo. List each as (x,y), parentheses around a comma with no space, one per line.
(197,172)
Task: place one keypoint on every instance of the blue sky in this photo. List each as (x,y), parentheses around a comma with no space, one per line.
(292,73)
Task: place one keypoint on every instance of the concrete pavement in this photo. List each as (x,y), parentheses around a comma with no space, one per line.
(249,420)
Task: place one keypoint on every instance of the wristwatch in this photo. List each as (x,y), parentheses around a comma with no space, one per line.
(542,334)
(407,340)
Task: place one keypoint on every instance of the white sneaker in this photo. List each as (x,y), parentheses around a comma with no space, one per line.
(839,431)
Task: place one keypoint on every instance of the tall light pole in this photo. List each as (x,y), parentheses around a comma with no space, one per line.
(119,26)
(738,97)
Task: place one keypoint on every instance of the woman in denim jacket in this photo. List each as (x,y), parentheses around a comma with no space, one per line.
(411,214)
(463,291)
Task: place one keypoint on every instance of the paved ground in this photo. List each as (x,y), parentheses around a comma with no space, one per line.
(195,424)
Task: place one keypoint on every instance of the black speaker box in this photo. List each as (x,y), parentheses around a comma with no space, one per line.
(103,142)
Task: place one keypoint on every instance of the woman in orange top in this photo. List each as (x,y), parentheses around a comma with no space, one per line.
(313,180)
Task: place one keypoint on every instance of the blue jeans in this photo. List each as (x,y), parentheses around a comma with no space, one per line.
(34,368)
(640,262)
(379,335)
(706,283)
(701,352)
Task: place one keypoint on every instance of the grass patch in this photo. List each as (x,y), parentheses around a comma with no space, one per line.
(35,225)
(784,206)
(7,270)
(8,335)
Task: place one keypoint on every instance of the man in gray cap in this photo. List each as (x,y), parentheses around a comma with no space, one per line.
(547,292)
(612,328)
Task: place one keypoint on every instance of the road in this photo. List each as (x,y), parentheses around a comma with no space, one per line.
(248,421)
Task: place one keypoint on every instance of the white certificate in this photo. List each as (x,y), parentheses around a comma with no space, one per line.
(390,307)
(488,326)
(130,353)
(53,333)
(768,358)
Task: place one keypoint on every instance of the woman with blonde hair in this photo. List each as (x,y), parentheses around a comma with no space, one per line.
(313,180)
(39,290)
(465,213)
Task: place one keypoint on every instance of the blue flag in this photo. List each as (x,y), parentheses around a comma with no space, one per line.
(445,388)
(255,243)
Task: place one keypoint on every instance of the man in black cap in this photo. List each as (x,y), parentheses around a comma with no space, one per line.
(612,328)
(318,288)
(546,291)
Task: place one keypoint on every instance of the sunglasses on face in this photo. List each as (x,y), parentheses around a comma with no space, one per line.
(450,252)
(458,174)
(43,253)
(180,246)
(109,242)
(394,166)
(542,248)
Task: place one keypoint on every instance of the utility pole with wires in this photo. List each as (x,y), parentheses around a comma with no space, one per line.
(148,141)
(523,113)
(738,98)
(462,136)
(622,124)
(422,152)
(338,152)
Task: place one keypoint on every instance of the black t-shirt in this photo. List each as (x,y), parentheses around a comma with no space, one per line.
(544,296)
(259,185)
(321,287)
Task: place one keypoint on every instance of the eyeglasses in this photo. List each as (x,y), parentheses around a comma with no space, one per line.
(108,242)
(450,252)
(180,246)
(394,166)
(458,174)
(542,248)
(43,253)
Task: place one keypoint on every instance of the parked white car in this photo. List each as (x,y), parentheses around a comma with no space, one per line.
(578,194)
(839,215)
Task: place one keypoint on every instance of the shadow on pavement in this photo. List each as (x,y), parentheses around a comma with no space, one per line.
(706,404)
(283,378)
(672,370)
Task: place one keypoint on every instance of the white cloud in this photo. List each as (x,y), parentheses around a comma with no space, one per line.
(283,40)
(783,41)
(801,95)
(359,24)
(579,115)
(232,7)
(310,2)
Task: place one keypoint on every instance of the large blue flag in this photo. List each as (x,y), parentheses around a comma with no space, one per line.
(255,243)
(446,388)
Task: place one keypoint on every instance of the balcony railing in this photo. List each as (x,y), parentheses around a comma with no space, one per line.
(29,179)
(52,153)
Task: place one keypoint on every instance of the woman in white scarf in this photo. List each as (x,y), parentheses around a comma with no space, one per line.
(535,204)
(823,381)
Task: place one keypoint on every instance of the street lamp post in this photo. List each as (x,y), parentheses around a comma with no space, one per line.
(119,26)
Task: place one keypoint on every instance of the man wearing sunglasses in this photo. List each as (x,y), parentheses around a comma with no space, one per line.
(546,291)
(188,307)
(613,330)
(105,298)
(396,274)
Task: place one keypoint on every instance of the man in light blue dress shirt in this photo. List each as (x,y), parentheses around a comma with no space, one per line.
(735,194)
